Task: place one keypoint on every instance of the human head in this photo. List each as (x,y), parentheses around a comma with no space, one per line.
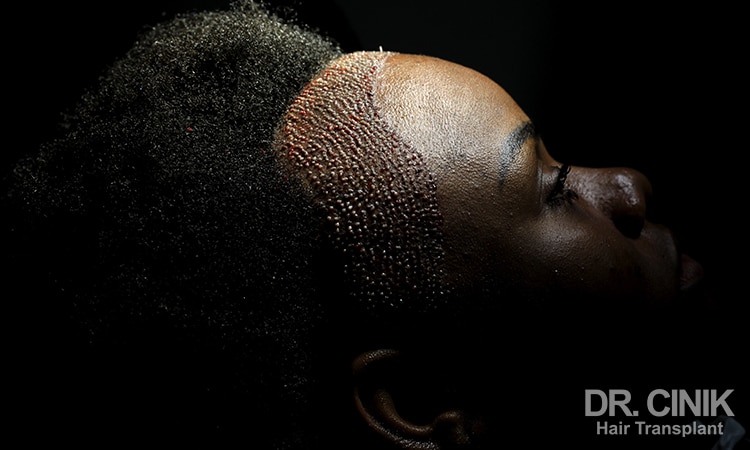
(511,222)
(514,229)
(169,181)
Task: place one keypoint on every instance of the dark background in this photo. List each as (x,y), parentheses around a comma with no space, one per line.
(642,84)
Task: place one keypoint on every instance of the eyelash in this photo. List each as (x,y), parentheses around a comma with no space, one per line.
(560,194)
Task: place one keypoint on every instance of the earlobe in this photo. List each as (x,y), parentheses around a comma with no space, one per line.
(375,374)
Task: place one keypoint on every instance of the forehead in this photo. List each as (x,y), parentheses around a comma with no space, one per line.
(443,109)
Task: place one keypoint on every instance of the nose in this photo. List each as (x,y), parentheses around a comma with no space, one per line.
(619,193)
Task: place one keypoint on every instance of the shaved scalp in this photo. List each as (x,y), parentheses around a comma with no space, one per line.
(374,190)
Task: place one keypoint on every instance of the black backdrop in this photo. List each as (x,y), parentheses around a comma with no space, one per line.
(652,86)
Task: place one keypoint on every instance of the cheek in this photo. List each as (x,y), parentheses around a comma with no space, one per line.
(572,255)
(578,257)
(588,258)
(558,252)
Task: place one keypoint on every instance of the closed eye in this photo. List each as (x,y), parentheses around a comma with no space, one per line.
(560,194)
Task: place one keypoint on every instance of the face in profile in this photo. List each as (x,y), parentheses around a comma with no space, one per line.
(395,146)
(517,225)
(515,219)
(475,204)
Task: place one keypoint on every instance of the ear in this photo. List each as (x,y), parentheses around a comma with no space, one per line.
(376,374)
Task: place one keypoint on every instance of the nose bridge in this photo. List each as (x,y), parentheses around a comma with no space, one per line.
(620,193)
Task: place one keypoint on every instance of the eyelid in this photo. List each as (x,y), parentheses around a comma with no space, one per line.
(562,177)
(558,183)
(558,192)
(546,182)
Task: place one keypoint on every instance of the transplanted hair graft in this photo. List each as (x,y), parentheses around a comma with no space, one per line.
(374,190)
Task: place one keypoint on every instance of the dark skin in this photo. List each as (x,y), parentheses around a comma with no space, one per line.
(514,216)
(515,221)
(499,235)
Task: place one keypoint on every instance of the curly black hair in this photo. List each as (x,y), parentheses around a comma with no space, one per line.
(161,207)
(211,285)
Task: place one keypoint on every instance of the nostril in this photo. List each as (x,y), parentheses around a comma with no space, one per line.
(629,225)
(621,194)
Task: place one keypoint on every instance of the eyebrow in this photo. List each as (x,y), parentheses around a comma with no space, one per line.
(512,145)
